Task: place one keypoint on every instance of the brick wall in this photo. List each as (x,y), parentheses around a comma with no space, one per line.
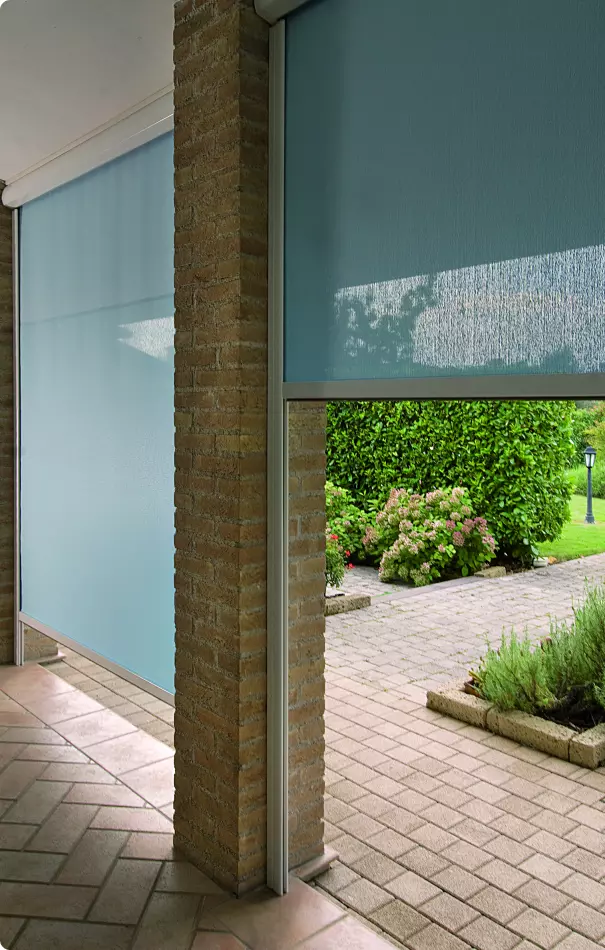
(221,129)
(6,437)
(307,511)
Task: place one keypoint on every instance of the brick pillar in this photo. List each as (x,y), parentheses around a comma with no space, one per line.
(7,523)
(220,159)
(307,472)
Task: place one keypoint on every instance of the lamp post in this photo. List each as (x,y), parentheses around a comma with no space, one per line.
(590,455)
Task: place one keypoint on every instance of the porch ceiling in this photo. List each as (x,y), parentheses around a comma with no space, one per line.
(69,69)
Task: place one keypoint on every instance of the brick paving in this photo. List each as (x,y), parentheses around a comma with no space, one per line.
(450,837)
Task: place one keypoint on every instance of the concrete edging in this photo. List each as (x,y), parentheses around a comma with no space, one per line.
(586,749)
(341,605)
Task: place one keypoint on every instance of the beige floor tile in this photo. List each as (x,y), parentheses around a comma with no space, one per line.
(42,736)
(125,892)
(277,923)
(168,922)
(17,775)
(37,802)
(93,794)
(128,752)
(85,731)
(54,709)
(150,846)
(63,828)
(77,772)
(347,934)
(90,861)
(182,877)
(59,935)
(23,866)
(131,819)
(154,783)
(45,900)
(51,753)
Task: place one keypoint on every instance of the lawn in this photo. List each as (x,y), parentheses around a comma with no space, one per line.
(579,539)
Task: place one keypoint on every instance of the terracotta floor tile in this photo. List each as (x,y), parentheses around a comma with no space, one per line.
(37,802)
(14,837)
(67,705)
(61,831)
(129,752)
(92,858)
(45,900)
(155,782)
(125,892)
(23,866)
(168,922)
(84,731)
(150,846)
(58,935)
(17,775)
(93,794)
(264,921)
(132,819)
(183,878)
(347,933)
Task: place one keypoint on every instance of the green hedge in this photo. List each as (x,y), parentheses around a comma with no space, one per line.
(511,456)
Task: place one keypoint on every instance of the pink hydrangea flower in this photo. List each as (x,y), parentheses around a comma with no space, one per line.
(458,539)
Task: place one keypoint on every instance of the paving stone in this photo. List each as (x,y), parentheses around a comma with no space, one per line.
(364,897)
(545,869)
(412,889)
(459,882)
(502,875)
(583,919)
(92,858)
(546,899)
(21,866)
(182,877)
(378,868)
(542,930)
(434,937)
(485,934)
(338,876)
(60,935)
(37,802)
(168,922)
(423,862)
(399,920)
(62,830)
(45,900)
(495,903)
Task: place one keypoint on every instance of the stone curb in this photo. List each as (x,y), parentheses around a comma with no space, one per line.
(586,749)
(341,605)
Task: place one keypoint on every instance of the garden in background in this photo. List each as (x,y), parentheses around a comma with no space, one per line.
(428,491)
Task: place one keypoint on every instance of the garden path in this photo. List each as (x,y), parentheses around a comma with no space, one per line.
(449,837)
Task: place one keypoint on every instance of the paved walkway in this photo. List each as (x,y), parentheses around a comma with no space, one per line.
(450,837)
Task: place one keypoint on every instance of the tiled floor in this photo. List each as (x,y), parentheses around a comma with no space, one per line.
(86,853)
(450,837)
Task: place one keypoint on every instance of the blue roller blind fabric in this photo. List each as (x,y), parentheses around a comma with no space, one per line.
(97,397)
(445,197)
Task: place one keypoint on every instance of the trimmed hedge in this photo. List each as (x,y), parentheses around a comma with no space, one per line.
(511,456)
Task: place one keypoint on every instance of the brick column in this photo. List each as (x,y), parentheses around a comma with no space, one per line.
(307,511)
(221,131)
(7,523)
(221,182)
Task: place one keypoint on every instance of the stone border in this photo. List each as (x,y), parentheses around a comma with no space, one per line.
(341,605)
(586,748)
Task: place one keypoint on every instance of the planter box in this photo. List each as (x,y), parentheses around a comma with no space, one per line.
(582,748)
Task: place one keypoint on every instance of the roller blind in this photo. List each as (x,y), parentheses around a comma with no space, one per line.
(445,199)
(97,463)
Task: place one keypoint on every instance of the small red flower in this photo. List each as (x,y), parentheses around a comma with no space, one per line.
(350,567)
(347,554)
(334,537)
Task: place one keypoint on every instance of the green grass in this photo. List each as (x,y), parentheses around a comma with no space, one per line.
(579,539)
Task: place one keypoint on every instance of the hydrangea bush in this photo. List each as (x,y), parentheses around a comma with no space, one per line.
(347,521)
(422,538)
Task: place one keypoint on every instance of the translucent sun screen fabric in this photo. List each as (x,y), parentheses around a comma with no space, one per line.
(445,188)
(97,397)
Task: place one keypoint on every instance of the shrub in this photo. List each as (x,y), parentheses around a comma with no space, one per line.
(424,537)
(347,521)
(581,421)
(511,456)
(579,478)
(335,561)
(562,678)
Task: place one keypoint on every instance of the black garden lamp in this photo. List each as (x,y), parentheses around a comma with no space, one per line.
(590,455)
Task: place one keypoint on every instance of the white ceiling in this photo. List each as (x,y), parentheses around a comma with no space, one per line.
(69,67)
